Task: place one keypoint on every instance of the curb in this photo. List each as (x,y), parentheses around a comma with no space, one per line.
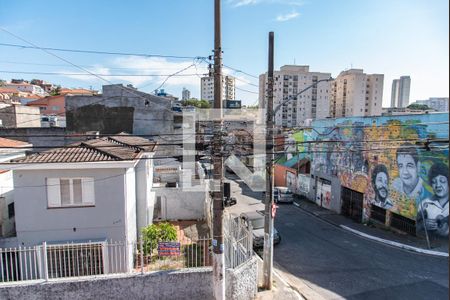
(284,281)
(380,240)
(395,244)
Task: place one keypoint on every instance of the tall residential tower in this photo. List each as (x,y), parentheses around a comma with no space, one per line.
(354,93)
(299,110)
(400,91)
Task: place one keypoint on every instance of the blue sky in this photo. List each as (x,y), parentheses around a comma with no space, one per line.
(391,37)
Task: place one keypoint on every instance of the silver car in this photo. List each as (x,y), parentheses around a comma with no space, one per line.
(256,219)
(283,195)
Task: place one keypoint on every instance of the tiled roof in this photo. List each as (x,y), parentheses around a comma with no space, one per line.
(77,91)
(13,143)
(43,101)
(96,150)
(8,90)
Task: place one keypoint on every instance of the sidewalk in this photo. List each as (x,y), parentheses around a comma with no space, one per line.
(371,230)
(280,288)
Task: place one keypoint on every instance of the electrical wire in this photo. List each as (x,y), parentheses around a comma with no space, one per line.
(92,51)
(100,74)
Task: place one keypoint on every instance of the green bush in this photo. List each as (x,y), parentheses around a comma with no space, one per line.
(160,232)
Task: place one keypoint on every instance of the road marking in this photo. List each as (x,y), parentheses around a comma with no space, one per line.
(395,244)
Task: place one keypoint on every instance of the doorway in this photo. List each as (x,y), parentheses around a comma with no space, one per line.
(352,204)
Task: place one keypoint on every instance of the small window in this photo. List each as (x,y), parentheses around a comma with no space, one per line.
(11,212)
(67,192)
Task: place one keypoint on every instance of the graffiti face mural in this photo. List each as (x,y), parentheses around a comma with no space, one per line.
(380,184)
(386,159)
(433,211)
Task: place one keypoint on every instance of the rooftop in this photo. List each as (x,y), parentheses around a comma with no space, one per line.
(122,147)
(13,143)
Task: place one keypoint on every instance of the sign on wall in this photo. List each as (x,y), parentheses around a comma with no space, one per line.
(169,248)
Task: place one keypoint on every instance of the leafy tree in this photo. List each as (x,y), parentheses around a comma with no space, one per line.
(197,103)
(418,106)
(160,232)
(56,91)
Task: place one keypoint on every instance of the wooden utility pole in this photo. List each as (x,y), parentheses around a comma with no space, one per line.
(268,221)
(218,246)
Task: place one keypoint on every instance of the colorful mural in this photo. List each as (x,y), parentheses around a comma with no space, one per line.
(389,160)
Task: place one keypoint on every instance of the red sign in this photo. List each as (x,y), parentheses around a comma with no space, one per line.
(168,249)
(274,210)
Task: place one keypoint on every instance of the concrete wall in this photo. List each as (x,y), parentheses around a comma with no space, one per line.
(36,223)
(20,116)
(47,137)
(145,199)
(185,284)
(138,112)
(177,204)
(242,281)
(7,224)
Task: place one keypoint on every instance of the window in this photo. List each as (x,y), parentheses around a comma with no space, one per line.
(55,107)
(11,212)
(67,192)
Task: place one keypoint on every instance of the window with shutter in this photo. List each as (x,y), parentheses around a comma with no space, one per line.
(53,192)
(70,192)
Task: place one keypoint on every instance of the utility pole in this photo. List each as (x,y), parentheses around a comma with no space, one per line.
(218,247)
(268,221)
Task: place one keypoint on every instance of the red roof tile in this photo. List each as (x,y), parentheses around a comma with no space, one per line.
(103,149)
(13,143)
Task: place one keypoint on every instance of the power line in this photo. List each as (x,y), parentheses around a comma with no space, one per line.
(85,66)
(98,74)
(95,51)
(236,144)
(81,68)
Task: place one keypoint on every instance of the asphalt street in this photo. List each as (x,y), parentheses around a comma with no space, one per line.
(337,264)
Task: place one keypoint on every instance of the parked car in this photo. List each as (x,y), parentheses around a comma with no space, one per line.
(283,195)
(256,219)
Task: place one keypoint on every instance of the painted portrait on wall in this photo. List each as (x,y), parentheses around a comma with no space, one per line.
(380,185)
(432,213)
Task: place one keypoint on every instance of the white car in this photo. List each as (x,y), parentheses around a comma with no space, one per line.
(283,195)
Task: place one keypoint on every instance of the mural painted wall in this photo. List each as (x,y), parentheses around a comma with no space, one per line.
(387,159)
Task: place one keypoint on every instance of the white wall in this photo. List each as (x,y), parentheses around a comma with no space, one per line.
(178,204)
(35,222)
(6,197)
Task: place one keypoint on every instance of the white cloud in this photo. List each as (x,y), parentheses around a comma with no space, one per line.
(287,17)
(132,66)
(239,3)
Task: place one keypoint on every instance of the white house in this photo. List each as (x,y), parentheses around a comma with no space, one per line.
(10,149)
(96,190)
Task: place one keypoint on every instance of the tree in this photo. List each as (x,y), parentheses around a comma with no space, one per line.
(197,103)
(418,106)
(56,91)
(160,232)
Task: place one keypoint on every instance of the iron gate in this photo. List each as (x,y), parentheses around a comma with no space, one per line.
(352,204)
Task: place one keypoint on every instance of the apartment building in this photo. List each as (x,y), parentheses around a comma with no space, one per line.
(436,103)
(228,88)
(400,91)
(356,94)
(185,94)
(289,81)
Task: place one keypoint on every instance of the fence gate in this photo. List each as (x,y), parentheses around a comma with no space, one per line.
(352,204)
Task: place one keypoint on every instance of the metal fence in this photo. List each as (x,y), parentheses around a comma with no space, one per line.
(51,261)
(238,241)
